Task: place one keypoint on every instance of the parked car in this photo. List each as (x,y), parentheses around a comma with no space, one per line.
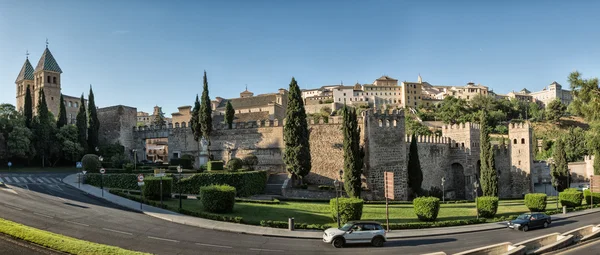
(356,232)
(529,221)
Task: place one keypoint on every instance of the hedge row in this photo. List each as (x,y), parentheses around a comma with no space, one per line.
(119,181)
(151,188)
(587,194)
(245,183)
(217,198)
(427,208)
(434,224)
(284,224)
(570,198)
(410,202)
(255,201)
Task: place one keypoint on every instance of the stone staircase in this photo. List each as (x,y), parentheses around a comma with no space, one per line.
(274,183)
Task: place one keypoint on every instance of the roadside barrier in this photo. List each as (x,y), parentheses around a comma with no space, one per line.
(502,248)
(547,243)
(583,234)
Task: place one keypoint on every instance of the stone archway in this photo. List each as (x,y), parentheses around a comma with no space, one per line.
(458,176)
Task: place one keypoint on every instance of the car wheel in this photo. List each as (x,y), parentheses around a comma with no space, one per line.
(377,241)
(545,224)
(525,228)
(338,242)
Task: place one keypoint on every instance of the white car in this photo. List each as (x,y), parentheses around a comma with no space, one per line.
(356,232)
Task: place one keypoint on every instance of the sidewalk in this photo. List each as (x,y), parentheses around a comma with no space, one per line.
(278,232)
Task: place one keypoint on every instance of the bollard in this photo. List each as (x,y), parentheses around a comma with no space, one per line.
(291,224)
(564,209)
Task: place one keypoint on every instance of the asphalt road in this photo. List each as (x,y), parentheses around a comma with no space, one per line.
(65,210)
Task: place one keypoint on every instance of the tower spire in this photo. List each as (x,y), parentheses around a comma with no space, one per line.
(46,42)
(27,54)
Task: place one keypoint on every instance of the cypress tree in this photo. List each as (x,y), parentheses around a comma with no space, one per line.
(93,124)
(353,153)
(195,121)
(159,119)
(488,176)
(82,123)
(415,173)
(295,135)
(62,115)
(42,128)
(206,113)
(28,108)
(229,114)
(559,169)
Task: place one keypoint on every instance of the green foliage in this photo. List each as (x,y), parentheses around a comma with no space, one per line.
(205,112)
(19,142)
(454,110)
(159,118)
(129,166)
(501,129)
(234,164)
(570,198)
(93,124)
(350,209)
(415,173)
(62,115)
(67,138)
(250,161)
(229,114)
(297,225)
(90,162)
(118,160)
(575,146)
(489,175)
(559,169)
(597,162)
(586,95)
(214,165)
(326,187)
(118,181)
(487,206)
(151,187)
(536,112)
(435,224)
(28,108)
(415,127)
(82,124)
(256,201)
(246,183)
(427,208)
(195,120)
(536,202)
(43,129)
(555,110)
(587,194)
(185,163)
(296,156)
(353,153)
(218,198)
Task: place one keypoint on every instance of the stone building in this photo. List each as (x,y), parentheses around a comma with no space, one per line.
(552,92)
(252,107)
(145,119)
(383,92)
(182,117)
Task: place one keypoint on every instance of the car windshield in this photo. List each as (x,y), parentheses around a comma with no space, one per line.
(523,217)
(346,227)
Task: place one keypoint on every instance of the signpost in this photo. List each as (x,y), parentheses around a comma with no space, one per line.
(475,186)
(443,190)
(78,165)
(389,194)
(102,171)
(9,165)
(160,173)
(84,172)
(179,170)
(140,179)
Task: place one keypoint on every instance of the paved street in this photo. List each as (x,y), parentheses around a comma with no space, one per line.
(70,212)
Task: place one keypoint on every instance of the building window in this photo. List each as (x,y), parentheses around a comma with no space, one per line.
(183,124)
(519,162)
(515,141)
(54,80)
(52,98)
(48,79)
(76,105)
(522,140)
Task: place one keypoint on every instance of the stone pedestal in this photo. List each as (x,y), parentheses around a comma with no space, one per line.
(202,159)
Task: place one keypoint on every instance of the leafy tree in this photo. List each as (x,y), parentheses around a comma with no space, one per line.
(43,129)
(229,114)
(415,173)
(62,115)
(483,102)
(454,110)
(28,108)
(19,142)
(575,145)
(82,123)
(195,120)
(536,113)
(93,124)
(206,112)
(586,102)
(489,177)
(555,110)
(413,126)
(9,118)
(68,139)
(560,168)
(295,135)
(159,119)
(353,153)
(597,163)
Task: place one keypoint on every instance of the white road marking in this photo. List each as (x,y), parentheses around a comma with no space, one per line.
(77,223)
(212,245)
(1,179)
(14,207)
(46,180)
(58,180)
(117,231)
(44,215)
(23,179)
(253,249)
(16,180)
(162,239)
(31,179)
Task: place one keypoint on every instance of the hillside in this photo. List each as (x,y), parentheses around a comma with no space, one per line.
(551,131)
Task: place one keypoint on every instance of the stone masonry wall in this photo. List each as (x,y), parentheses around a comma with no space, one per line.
(116,124)
(434,163)
(502,163)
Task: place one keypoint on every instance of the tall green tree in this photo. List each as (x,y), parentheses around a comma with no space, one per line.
(353,153)
(9,118)
(43,127)
(159,119)
(195,120)
(82,123)
(19,144)
(560,167)
(575,144)
(586,102)
(415,173)
(62,115)
(68,141)
(93,123)
(28,108)
(555,110)
(229,114)
(489,177)
(206,112)
(296,156)
(454,110)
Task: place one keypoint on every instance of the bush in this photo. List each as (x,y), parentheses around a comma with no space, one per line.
(427,208)
(129,167)
(536,202)
(350,209)
(255,201)
(435,224)
(234,164)
(571,198)
(284,224)
(436,192)
(185,163)
(250,161)
(587,194)
(214,165)
(151,188)
(326,187)
(118,181)
(90,162)
(487,206)
(245,183)
(571,190)
(217,198)
(118,160)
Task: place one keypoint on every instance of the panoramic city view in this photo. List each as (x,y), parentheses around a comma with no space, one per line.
(299,127)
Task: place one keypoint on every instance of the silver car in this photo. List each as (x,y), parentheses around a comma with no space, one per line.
(356,232)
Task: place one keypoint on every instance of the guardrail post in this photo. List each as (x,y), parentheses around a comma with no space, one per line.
(564,209)
(291,224)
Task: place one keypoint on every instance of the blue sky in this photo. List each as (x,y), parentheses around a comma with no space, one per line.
(146,53)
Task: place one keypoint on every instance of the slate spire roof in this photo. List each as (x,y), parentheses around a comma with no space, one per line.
(48,63)
(26,72)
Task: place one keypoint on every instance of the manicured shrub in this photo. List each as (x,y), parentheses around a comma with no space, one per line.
(536,202)
(91,163)
(250,161)
(487,206)
(245,183)
(217,198)
(571,190)
(186,163)
(234,164)
(427,208)
(297,225)
(350,209)
(571,198)
(214,165)
(587,194)
(151,188)
(118,160)
(117,181)
(129,166)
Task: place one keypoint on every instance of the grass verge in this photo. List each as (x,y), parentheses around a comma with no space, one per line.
(58,242)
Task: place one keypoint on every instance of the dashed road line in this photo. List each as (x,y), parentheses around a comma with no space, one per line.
(44,215)
(31,179)
(77,223)
(212,245)
(23,179)
(46,180)
(163,239)
(254,249)
(14,207)
(117,231)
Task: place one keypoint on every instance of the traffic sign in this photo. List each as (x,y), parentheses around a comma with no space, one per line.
(595,187)
(140,183)
(159,173)
(179,169)
(9,164)
(102,170)
(84,172)
(389,185)
(140,178)
(79,165)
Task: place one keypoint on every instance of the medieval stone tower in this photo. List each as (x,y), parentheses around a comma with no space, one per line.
(521,157)
(46,75)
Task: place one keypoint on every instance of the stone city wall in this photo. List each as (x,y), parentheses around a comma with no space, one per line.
(115,125)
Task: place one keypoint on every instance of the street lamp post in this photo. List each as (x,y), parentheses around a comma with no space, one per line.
(475,186)
(180,170)
(134,160)
(443,191)
(101,175)
(337,201)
